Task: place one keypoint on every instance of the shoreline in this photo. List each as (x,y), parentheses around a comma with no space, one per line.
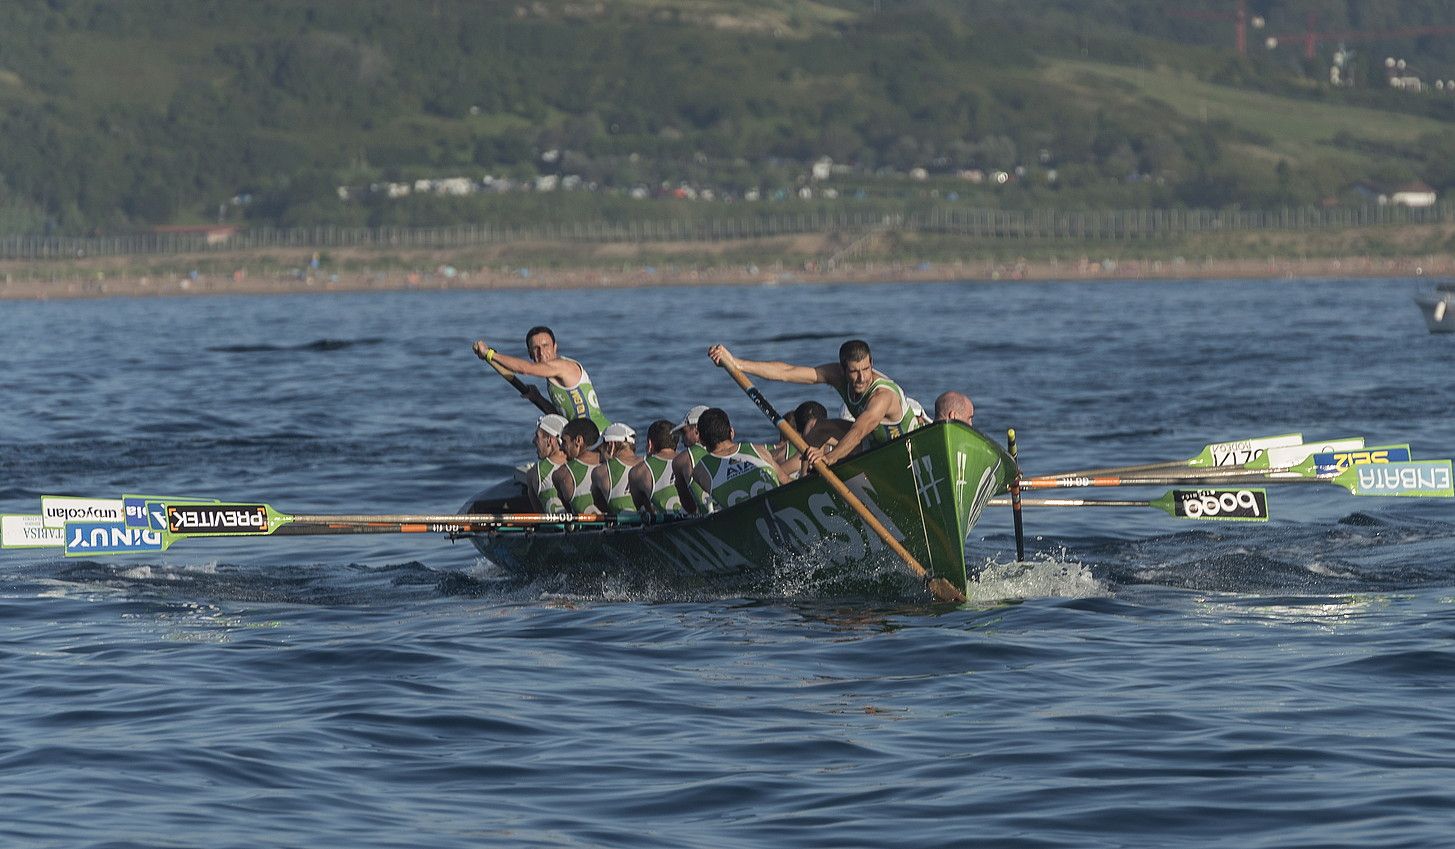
(447,278)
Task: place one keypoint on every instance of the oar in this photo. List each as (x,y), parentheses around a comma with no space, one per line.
(1015,498)
(1423,478)
(530,393)
(211,520)
(1163,479)
(941,588)
(1247,505)
(1213,455)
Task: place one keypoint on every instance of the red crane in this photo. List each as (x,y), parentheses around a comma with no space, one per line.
(1311,39)
(1239,17)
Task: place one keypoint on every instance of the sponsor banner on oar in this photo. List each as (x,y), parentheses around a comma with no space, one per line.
(1219,504)
(1289,456)
(22,531)
(218,519)
(85,539)
(1419,478)
(149,511)
(57,510)
(1241,451)
(1335,462)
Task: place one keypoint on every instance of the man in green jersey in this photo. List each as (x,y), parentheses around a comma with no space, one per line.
(692,451)
(539,484)
(652,487)
(877,403)
(569,386)
(609,478)
(730,472)
(579,439)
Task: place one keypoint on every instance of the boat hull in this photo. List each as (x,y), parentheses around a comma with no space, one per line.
(927,488)
(1439,311)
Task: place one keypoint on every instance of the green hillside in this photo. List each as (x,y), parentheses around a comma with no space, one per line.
(120,116)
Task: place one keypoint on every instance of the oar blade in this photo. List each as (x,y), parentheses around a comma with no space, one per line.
(1241,451)
(1291,456)
(1415,478)
(187,520)
(1220,505)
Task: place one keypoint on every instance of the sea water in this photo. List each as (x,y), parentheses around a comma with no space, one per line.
(1136,682)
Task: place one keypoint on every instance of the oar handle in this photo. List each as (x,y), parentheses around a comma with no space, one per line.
(530,393)
(941,588)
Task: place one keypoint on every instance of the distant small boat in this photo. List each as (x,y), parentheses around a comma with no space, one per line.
(1439,308)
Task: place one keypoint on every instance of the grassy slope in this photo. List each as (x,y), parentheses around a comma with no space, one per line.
(109,72)
(1296,129)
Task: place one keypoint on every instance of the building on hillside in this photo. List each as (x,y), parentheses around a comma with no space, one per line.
(1415,194)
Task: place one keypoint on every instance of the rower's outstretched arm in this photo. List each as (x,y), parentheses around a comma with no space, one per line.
(775,370)
(565,370)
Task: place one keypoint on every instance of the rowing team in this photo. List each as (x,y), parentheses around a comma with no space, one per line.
(589,464)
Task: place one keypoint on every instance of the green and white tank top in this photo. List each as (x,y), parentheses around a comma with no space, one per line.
(738,476)
(545,487)
(578,400)
(664,489)
(619,498)
(889,428)
(579,498)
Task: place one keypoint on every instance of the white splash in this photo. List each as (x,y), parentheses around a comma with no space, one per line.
(1048,575)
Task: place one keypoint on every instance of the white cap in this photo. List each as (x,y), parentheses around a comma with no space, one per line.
(551,423)
(691,418)
(618,432)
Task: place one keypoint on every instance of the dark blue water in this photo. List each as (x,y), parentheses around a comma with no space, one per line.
(1143,683)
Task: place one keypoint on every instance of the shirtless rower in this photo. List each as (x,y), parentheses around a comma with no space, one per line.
(812,422)
(876,402)
(609,480)
(569,386)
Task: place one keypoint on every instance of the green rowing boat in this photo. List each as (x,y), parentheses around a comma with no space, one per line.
(926,487)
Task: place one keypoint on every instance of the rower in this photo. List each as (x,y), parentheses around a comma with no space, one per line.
(609,479)
(876,402)
(730,472)
(954,406)
(650,482)
(686,459)
(812,422)
(539,485)
(569,386)
(579,439)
